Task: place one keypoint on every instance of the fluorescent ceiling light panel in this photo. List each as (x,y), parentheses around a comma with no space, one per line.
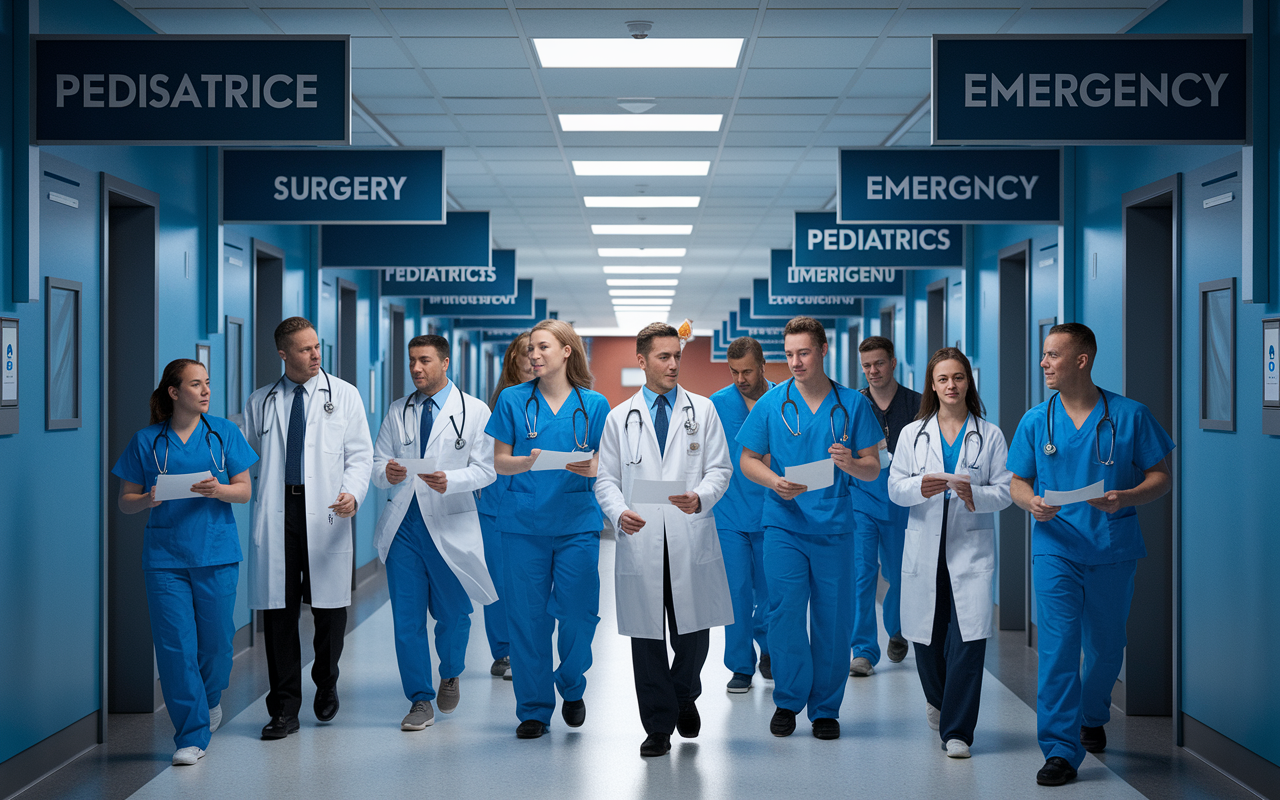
(643,123)
(618,53)
(643,301)
(641,252)
(642,230)
(642,292)
(642,168)
(643,282)
(642,270)
(655,309)
(641,201)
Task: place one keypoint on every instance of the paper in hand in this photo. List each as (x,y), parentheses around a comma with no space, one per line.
(418,466)
(178,487)
(558,459)
(1090,492)
(814,475)
(654,492)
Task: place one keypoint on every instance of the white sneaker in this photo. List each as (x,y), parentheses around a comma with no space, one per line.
(215,717)
(187,756)
(957,749)
(933,715)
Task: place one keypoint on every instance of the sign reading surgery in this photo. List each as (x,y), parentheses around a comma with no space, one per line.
(198,90)
(309,187)
(481,284)
(519,304)
(820,241)
(766,303)
(462,242)
(1091,89)
(956,186)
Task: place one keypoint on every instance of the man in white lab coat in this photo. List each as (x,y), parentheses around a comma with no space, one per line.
(429,532)
(310,431)
(667,561)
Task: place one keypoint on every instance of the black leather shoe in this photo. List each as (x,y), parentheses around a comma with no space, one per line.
(1055,772)
(656,744)
(826,728)
(766,668)
(280,727)
(1094,739)
(689,722)
(783,722)
(574,713)
(530,729)
(897,649)
(326,704)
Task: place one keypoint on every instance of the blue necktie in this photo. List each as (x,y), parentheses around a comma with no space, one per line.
(660,424)
(293,446)
(424,426)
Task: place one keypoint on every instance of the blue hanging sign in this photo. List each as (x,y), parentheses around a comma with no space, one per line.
(786,278)
(956,186)
(767,303)
(820,241)
(516,324)
(370,186)
(519,304)
(498,280)
(190,90)
(463,242)
(767,327)
(1084,90)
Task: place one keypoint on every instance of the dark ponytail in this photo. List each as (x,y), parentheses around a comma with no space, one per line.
(161,402)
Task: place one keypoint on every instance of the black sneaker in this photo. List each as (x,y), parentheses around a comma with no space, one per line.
(1055,772)
(897,649)
(656,744)
(689,723)
(574,713)
(1094,740)
(783,722)
(766,668)
(826,728)
(530,729)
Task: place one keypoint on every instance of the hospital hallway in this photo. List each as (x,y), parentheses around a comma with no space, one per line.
(886,748)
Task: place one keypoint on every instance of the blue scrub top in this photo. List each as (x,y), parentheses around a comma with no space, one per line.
(489,499)
(552,502)
(201,531)
(951,450)
(1080,532)
(742,506)
(831,510)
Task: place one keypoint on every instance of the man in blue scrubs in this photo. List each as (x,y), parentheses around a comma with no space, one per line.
(738,521)
(1084,555)
(809,535)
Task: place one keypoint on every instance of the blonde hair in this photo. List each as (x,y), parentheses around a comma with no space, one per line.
(576,370)
(519,348)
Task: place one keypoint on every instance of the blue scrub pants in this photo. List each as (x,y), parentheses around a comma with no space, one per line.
(1078,606)
(550,580)
(192,628)
(893,537)
(866,642)
(495,614)
(810,618)
(419,581)
(744,565)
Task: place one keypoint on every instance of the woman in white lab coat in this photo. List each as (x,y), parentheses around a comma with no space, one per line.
(949,555)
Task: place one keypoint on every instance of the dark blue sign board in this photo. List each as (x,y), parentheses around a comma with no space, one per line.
(784,278)
(463,242)
(1091,89)
(944,185)
(497,281)
(765,303)
(370,186)
(820,241)
(191,90)
(505,323)
(519,304)
(769,327)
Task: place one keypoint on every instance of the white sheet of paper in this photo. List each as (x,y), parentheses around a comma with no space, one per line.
(558,459)
(418,466)
(655,492)
(949,477)
(1091,492)
(815,475)
(178,487)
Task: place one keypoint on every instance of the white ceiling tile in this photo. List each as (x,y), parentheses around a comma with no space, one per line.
(914,139)
(368,139)
(776,122)
(1070,20)
(766,139)
(200,3)
(865,122)
(671,21)
(502,168)
(928,21)
(850,139)
(904,51)
(403,105)
(207,20)
(761,153)
(796,82)
(816,168)
(820,23)
(792,52)
(511,139)
(785,105)
(358,125)
(892,83)
(495,105)
(450,21)
(417,122)
(455,166)
(504,122)
(519,153)
(880,105)
(432,139)
(386,83)
(459,181)
(461,52)
(754,168)
(483,82)
(639,82)
(354,21)
(371,53)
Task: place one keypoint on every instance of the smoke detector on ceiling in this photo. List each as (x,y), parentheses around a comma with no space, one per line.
(636,105)
(639,28)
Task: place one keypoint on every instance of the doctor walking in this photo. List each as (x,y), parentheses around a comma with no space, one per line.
(664,433)
(949,551)
(310,430)
(428,534)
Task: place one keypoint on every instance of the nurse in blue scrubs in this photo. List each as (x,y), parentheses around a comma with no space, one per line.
(809,536)
(1084,555)
(550,523)
(191,548)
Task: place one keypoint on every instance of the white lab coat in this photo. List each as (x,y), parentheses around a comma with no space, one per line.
(699,587)
(337,457)
(971,548)
(451,517)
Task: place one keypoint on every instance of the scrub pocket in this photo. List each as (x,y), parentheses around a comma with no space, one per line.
(911,549)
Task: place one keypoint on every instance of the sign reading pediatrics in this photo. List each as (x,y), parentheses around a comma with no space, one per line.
(463,242)
(519,304)
(498,280)
(765,302)
(193,90)
(821,241)
(371,186)
(1091,89)
(945,185)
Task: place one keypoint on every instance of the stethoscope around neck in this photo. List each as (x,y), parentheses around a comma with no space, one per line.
(408,434)
(690,428)
(208,430)
(532,428)
(328,403)
(839,406)
(971,434)
(1050,448)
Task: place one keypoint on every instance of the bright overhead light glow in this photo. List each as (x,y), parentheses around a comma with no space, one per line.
(641,252)
(643,282)
(642,230)
(642,301)
(643,123)
(642,270)
(617,53)
(642,292)
(652,309)
(629,323)
(642,201)
(642,168)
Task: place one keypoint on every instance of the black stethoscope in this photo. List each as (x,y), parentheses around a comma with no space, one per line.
(164,434)
(573,421)
(690,428)
(328,404)
(965,461)
(407,435)
(835,392)
(1051,449)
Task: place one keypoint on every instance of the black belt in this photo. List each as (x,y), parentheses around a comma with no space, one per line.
(293,489)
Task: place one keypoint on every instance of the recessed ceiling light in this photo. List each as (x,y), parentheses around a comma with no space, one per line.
(654,309)
(649,282)
(638,53)
(642,292)
(642,301)
(641,252)
(642,201)
(648,168)
(644,123)
(642,270)
(642,230)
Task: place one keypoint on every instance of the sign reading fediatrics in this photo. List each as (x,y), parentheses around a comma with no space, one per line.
(482,284)
(197,90)
(1091,89)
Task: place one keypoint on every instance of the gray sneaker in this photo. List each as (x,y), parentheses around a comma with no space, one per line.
(861,667)
(419,717)
(447,697)
(501,667)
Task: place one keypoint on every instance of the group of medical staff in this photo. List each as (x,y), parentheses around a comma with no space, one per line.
(714,518)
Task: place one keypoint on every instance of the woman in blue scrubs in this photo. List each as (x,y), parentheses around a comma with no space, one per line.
(550,523)
(191,549)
